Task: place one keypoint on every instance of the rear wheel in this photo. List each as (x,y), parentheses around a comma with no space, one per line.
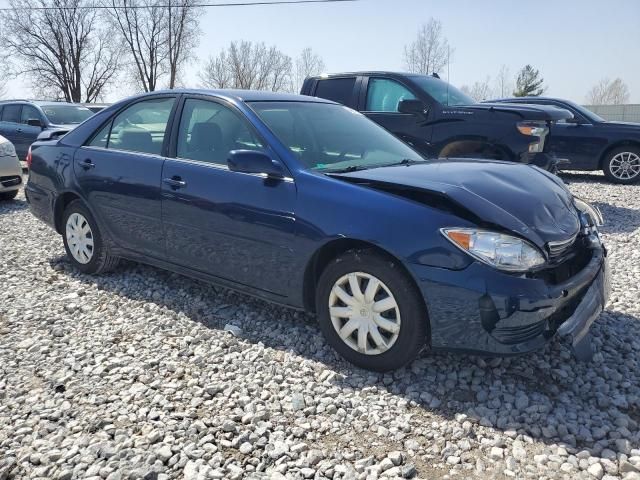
(8,195)
(83,242)
(370,311)
(622,165)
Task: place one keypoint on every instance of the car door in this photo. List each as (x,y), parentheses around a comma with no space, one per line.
(10,125)
(119,171)
(578,141)
(26,133)
(233,225)
(380,99)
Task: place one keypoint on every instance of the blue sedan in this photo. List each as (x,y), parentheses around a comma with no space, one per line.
(309,204)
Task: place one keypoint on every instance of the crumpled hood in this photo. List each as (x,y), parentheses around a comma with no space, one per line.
(520,198)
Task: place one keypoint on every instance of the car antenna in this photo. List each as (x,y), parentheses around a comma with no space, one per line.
(448,71)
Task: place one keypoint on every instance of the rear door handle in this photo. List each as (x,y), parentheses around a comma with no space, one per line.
(175,182)
(87,164)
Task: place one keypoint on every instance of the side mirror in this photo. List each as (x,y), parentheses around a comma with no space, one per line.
(574,120)
(250,161)
(34,122)
(413,107)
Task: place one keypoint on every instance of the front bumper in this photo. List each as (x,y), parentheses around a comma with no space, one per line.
(485,311)
(546,161)
(10,174)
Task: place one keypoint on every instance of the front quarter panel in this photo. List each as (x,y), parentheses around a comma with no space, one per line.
(329,209)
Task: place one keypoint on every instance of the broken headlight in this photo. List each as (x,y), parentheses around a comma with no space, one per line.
(591,211)
(498,250)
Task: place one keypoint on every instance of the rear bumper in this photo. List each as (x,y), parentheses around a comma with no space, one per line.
(482,310)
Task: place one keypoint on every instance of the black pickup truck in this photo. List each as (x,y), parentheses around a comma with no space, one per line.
(439,120)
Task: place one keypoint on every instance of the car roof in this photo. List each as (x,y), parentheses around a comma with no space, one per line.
(524,99)
(40,103)
(241,95)
(371,73)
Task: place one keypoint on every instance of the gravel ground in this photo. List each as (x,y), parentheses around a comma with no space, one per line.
(132,375)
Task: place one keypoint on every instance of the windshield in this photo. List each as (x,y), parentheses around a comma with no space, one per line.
(442,92)
(585,112)
(328,137)
(66,114)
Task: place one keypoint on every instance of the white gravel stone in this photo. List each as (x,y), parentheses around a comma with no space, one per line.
(132,375)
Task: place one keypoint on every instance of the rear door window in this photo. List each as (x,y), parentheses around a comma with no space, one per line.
(140,127)
(336,89)
(384,95)
(11,113)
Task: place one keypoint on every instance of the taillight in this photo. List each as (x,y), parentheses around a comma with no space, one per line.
(29,158)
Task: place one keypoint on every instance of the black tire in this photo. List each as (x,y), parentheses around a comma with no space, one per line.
(414,327)
(606,165)
(100,261)
(8,195)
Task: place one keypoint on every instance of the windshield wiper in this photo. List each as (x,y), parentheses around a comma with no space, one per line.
(351,168)
(404,161)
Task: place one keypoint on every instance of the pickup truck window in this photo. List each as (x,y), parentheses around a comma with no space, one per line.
(139,128)
(384,95)
(441,92)
(336,89)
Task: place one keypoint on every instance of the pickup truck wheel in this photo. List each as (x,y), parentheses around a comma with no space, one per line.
(8,195)
(83,242)
(622,165)
(370,312)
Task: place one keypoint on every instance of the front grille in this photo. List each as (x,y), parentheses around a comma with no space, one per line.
(11,181)
(575,258)
(560,249)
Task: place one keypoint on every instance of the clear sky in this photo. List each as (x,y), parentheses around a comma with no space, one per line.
(574,43)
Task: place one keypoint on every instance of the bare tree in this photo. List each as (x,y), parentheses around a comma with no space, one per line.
(248,65)
(64,50)
(159,37)
(430,51)
(308,64)
(479,91)
(608,92)
(183,35)
(141,24)
(503,82)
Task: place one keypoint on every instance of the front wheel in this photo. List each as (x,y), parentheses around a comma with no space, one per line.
(370,311)
(622,165)
(83,241)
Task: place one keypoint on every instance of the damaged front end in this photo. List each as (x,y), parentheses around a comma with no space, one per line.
(547,275)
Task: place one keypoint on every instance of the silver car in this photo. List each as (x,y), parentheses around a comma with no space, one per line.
(10,170)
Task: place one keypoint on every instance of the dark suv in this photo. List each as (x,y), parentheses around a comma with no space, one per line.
(590,142)
(439,120)
(21,121)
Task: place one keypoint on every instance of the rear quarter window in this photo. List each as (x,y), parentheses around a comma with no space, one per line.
(336,89)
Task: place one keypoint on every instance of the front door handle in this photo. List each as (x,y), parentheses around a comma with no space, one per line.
(175,182)
(87,164)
